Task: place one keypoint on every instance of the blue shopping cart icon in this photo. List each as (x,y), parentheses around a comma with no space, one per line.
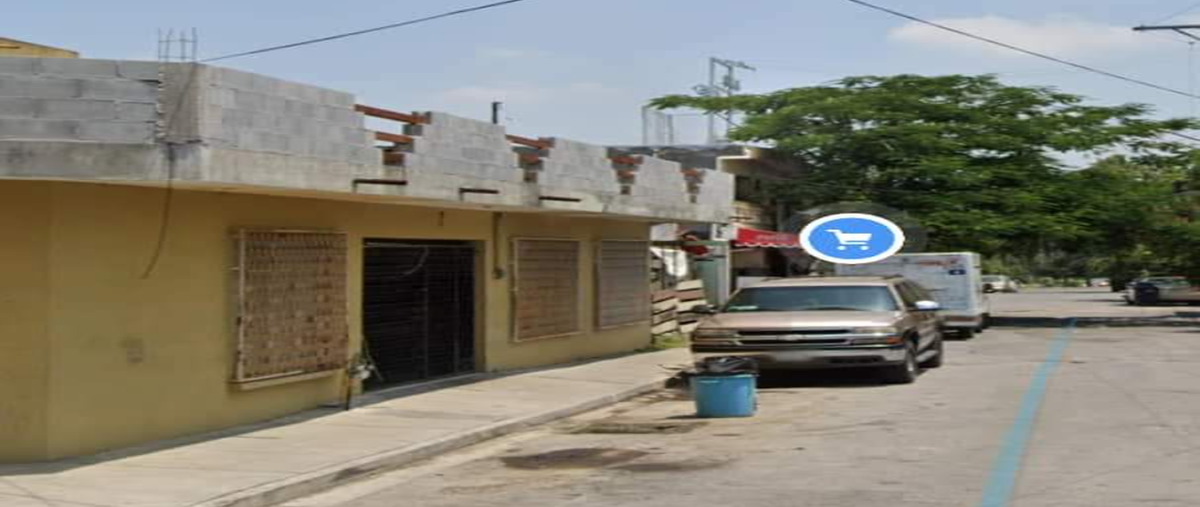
(852,238)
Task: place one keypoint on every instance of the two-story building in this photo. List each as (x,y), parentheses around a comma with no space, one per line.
(190,248)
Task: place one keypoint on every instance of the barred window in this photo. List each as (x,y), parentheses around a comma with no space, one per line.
(547,288)
(292,307)
(622,283)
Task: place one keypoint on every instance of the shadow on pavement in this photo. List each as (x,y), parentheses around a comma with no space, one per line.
(844,378)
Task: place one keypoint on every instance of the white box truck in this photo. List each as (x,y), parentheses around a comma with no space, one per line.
(955,279)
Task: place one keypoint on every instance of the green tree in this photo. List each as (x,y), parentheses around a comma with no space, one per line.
(978,162)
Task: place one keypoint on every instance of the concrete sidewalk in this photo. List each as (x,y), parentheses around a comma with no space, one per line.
(309,452)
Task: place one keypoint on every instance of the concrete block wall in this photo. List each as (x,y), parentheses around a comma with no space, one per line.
(459,146)
(660,180)
(247,129)
(65,99)
(252,112)
(717,190)
(580,167)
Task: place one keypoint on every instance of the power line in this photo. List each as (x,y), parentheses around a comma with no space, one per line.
(1018,49)
(1184,136)
(361,32)
(1177,14)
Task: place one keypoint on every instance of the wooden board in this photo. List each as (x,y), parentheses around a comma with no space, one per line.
(659,318)
(668,304)
(662,295)
(665,328)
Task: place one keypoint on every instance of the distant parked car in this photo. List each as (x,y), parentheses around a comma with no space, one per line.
(1161,289)
(999,283)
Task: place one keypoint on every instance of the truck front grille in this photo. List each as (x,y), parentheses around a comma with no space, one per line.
(790,343)
(793,332)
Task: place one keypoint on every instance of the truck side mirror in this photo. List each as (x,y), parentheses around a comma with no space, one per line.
(704,309)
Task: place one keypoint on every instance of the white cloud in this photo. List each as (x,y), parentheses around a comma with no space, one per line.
(1057,36)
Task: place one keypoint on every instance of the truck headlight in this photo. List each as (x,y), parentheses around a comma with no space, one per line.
(713,333)
(878,340)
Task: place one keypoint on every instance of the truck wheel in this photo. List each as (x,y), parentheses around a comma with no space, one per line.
(936,361)
(905,372)
(966,334)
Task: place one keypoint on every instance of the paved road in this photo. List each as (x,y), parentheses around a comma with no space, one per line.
(1118,425)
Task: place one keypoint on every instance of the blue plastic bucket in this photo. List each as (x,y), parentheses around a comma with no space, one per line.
(724,396)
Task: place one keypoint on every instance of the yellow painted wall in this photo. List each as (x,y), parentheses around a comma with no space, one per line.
(11,47)
(24,346)
(137,359)
(504,354)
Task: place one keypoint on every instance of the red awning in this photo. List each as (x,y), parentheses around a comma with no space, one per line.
(747,237)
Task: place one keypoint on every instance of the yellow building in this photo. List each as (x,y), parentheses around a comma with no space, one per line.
(13,47)
(170,274)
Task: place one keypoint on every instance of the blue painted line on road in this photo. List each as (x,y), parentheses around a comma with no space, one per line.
(1002,482)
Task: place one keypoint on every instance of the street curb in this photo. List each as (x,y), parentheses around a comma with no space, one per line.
(275,493)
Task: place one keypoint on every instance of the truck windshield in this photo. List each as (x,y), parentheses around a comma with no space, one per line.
(802,299)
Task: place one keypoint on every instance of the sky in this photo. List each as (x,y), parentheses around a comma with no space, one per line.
(583,69)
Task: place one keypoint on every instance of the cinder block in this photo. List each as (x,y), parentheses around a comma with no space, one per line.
(300,109)
(352,135)
(221,97)
(275,104)
(236,79)
(17,107)
(237,119)
(336,99)
(77,109)
(137,111)
(78,67)
(249,101)
(18,66)
(113,89)
(40,87)
(270,141)
(117,132)
(369,156)
(264,121)
(309,94)
(34,129)
(141,71)
(342,116)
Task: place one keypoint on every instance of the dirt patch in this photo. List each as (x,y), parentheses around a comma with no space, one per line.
(592,457)
(624,428)
(672,466)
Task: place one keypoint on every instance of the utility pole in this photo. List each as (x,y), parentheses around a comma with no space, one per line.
(1180,29)
(726,86)
(1184,30)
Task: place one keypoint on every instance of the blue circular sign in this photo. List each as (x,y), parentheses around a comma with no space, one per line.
(852,238)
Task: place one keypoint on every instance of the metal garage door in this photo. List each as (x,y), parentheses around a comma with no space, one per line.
(418,309)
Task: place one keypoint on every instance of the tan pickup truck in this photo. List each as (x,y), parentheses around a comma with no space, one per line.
(836,322)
